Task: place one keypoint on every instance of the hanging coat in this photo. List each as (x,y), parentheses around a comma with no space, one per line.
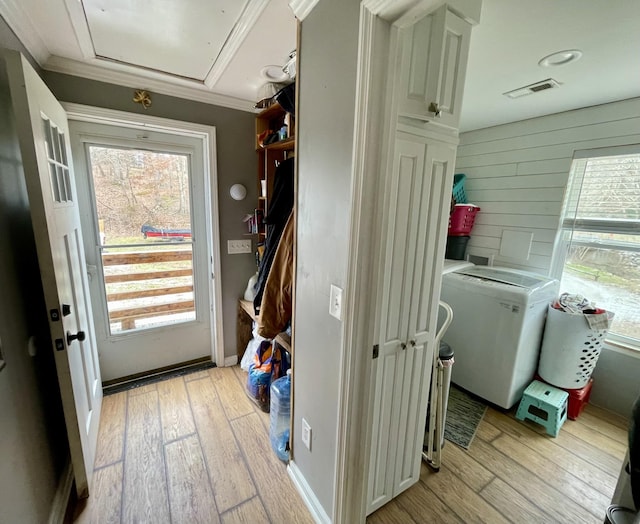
(275,310)
(279,210)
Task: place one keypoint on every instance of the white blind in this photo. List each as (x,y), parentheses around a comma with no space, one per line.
(604,189)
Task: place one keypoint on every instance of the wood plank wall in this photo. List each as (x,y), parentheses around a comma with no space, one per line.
(517,174)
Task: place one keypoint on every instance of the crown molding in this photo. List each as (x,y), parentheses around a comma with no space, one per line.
(25,30)
(243,27)
(301,8)
(407,11)
(124,75)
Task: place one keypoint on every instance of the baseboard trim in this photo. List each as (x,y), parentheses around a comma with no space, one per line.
(230,361)
(61,498)
(308,496)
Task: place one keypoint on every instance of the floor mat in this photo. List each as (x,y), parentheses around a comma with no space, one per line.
(464,414)
(155,377)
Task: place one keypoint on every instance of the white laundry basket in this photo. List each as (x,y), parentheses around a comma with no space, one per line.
(570,349)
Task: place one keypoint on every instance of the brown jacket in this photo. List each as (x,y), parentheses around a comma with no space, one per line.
(275,308)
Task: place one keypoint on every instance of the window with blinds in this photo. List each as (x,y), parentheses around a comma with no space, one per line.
(597,253)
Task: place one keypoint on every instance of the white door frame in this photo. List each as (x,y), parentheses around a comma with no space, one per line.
(373,107)
(207,134)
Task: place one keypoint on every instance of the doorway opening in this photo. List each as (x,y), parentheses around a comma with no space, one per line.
(148,206)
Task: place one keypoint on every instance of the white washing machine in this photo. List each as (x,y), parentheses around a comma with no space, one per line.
(498,320)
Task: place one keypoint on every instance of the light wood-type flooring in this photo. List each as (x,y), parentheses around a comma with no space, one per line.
(191,449)
(513,472)
(194,449)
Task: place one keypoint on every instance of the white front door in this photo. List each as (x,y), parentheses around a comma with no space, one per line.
(43,134)
(145,214)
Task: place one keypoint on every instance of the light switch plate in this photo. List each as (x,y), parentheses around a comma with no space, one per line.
(306,434)
(235,247)
(335,302)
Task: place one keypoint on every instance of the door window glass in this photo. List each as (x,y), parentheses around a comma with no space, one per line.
(143,209)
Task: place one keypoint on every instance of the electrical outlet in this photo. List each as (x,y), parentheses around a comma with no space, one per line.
(306,434)
(235,247)
(335,302)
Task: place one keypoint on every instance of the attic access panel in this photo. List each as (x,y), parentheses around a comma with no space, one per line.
(180,37)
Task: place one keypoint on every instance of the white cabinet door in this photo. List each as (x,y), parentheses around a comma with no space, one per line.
(418,193)
(434,62)
(430,202)
(415,224)
(400,228)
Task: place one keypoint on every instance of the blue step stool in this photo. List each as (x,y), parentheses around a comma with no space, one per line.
(545,405)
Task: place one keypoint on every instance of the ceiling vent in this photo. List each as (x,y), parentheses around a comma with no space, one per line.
(543,85)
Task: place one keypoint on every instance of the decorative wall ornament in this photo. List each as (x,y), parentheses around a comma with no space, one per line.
(142,97)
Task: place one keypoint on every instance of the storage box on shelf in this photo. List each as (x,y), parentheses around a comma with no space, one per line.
(458,192)
(461,223)
(462,219)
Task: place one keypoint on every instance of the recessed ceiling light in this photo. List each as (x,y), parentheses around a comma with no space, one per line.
(560,58)
(274,73)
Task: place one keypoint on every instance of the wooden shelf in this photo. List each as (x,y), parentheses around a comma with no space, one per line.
(282,145)
(247,306)
(269,120)
(273,111)
(284,340)
(245,327)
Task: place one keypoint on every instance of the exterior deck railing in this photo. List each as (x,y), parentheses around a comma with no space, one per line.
(128,315)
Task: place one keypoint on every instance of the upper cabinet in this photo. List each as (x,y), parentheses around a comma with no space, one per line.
(434,61)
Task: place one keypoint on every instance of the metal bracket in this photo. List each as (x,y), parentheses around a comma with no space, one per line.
(376,351)
(54,314)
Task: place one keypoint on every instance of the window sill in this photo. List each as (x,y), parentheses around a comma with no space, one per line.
(621,347)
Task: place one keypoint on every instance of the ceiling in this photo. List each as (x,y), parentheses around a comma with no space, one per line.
(513,35)
(164,46)
(208,50)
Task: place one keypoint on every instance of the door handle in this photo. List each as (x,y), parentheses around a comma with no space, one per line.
(413,343)
(403,345)
(78,336)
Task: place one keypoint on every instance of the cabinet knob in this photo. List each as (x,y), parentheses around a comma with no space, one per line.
(413,343)
(403,345)
(435,109)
